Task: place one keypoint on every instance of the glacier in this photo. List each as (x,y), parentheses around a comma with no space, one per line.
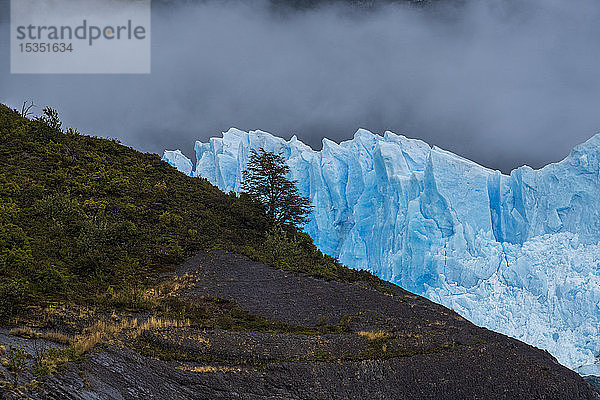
(518,253)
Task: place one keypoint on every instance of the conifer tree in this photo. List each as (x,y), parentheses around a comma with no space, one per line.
(265,180)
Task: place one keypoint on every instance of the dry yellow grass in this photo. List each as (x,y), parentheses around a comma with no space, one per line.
(171,287)
(373,335)
(103,330)
(57,337)
(159,323)
(25,332)
(84,344)
(437,323)
(200,339)
(208,369)
(2,350)
(6,385)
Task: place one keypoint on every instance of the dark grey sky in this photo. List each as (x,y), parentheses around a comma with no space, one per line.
(501,82)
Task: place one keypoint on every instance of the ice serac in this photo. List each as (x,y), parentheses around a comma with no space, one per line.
(179,160)
(516,253)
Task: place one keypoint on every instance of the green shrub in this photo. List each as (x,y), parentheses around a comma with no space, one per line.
(282,250)
(17,359)
(15,294)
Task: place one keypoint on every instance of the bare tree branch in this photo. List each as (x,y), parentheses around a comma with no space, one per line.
(26,108)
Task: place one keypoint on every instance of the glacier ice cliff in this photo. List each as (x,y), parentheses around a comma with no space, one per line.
(518,253)
(180,161)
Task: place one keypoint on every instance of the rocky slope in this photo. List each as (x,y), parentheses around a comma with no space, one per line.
(334,341)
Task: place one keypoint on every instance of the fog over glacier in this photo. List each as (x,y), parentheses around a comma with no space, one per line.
(501,82)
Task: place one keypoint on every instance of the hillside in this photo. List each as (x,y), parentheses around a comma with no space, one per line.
(81,216)
(122,278)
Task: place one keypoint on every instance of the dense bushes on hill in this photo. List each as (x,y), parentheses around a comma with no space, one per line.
(80,216)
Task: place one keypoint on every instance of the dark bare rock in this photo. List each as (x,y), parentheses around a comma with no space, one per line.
(122,374)
(386,346)
(296,299)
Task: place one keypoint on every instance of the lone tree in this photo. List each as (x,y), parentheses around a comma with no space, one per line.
(265,180)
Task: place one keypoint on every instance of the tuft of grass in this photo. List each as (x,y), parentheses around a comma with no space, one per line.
(374,335)
(57,337)
(2,350)
(209,369)
(84,344)
(159,323)
(54,359)
(25,332)
(131,328)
